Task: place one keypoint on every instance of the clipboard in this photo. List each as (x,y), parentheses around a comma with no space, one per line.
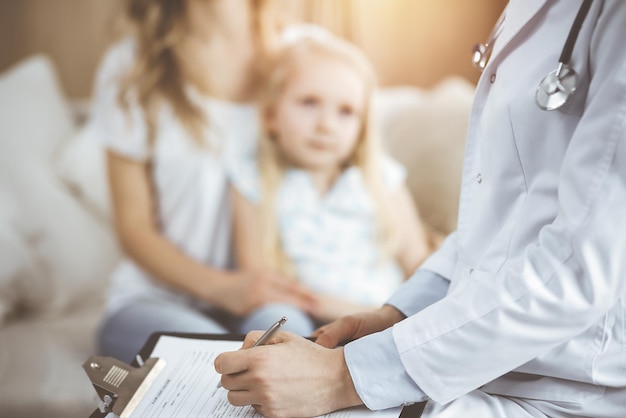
(120,386)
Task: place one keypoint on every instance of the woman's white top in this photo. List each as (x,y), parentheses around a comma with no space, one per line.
(190,180)
(330,240)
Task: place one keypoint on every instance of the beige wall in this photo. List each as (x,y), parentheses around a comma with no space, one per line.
(73,32)
(415,42)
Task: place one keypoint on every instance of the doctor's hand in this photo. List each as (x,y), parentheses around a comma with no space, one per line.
(291,377)
(351,327)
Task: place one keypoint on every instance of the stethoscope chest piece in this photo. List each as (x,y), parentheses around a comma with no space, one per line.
(556,88)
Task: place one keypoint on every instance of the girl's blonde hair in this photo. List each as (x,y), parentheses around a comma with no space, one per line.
(367,155)
(156,77)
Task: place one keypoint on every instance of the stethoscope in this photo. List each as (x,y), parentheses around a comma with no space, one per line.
(559,85)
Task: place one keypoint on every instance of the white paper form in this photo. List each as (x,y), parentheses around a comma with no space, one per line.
(188,385)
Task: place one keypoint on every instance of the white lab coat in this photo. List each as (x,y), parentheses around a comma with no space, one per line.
(537,302)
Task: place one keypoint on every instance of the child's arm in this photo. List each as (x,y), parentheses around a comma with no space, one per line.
(416,244)
(247,244)
(246,223)
(330,307)
(246,232)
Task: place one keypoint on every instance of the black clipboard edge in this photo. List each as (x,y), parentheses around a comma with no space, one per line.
(411,411)
(148,346)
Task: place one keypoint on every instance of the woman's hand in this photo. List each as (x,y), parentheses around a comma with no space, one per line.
(292,377)
(245,291)
(355,326)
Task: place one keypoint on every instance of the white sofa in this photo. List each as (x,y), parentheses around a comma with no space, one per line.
(56,243)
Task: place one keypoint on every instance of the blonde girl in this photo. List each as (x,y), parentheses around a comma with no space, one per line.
(173,105)
(323,204)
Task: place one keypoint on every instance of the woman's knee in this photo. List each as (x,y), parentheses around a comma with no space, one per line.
(123,334)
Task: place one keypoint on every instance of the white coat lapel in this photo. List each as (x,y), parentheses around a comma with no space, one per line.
(518,14)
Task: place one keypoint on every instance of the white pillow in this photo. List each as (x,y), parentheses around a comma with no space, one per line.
(81,166)
(71,253)
(34,117)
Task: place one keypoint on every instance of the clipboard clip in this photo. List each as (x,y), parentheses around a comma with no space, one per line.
(120,386)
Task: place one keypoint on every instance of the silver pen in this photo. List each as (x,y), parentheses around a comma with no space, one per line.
(266,337)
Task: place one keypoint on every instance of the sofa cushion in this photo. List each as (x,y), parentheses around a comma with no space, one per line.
(74,252)
(41,361)
(16,261)
(71,252)
(425,131)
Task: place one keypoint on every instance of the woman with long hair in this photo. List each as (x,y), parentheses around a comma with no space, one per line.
(173,106)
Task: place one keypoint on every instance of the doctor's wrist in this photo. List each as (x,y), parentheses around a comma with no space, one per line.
(347,395)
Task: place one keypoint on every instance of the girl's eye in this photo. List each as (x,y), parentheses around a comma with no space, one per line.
(309,101)
(346,111)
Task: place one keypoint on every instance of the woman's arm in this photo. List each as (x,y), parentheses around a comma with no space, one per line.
(134,212)
(139,235)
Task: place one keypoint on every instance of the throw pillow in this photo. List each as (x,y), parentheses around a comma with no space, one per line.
(425,131)
(71,252)
(81,166)
(34,115)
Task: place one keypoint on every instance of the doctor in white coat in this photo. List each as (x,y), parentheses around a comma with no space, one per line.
(522,313)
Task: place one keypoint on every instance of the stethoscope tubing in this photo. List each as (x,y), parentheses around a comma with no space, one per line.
(556,88)
(482,51)
(568,48)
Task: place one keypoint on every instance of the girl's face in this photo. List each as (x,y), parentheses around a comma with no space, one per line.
(318,118)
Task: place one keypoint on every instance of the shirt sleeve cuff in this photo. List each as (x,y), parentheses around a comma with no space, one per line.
(378,374)
(421,290)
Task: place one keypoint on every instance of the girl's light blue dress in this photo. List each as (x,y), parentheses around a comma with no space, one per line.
(330,240)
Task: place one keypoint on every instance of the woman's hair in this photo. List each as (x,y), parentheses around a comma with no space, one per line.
(366,156)
(156,76)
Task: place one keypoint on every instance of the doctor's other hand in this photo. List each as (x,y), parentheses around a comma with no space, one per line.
(290,377)
(352,327)
(252,289)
